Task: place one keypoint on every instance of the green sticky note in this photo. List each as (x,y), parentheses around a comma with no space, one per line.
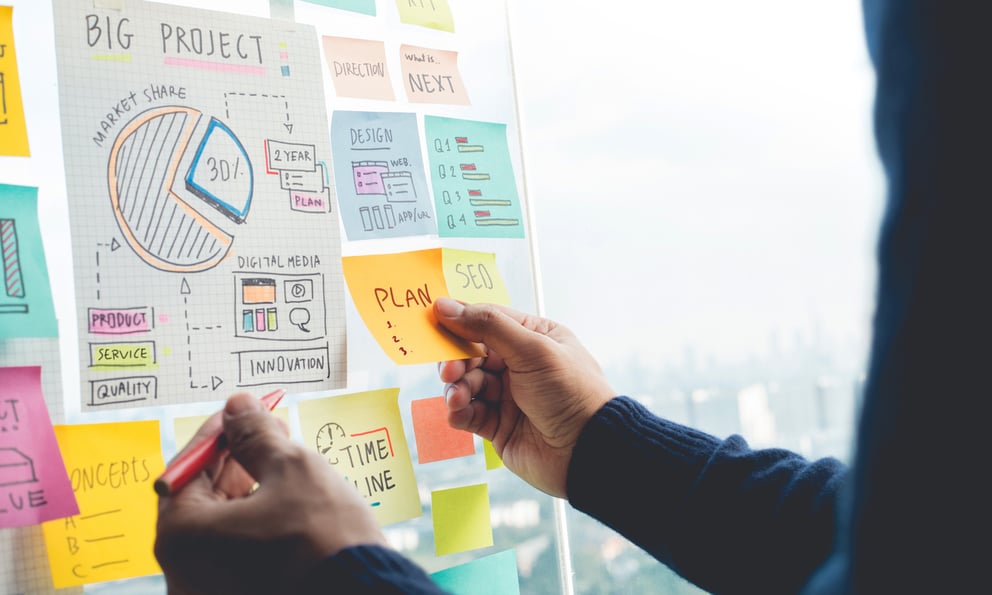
(26,308)
(461,519)
(475,189)
(359,6)
(495,574)
(492,458)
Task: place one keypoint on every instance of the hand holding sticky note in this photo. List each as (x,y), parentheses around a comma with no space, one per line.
(395,293)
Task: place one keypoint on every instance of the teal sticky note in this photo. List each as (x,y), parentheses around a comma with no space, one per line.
(475,190)
(359,6)
(495,574)
(26,308)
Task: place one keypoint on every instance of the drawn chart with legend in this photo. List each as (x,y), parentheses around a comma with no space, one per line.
(475,191)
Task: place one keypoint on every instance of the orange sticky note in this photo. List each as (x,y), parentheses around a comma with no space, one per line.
(461,519)
(436,440)
(432,76)
(394,294)
(13,129)
(112,467)
(358,68)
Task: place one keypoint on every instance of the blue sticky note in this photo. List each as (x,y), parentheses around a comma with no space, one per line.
(495,574)
(26,308)
(360,6)
(379,169)
(475,191)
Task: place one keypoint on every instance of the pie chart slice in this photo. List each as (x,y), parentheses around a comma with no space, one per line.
(164,230)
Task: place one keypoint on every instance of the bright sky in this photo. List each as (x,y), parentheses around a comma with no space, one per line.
(703,172)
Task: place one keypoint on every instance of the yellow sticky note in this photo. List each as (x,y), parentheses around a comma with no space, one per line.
(358,68)
(493,461)
(461,519)
(13,130)
(432,76)
(394,294)
(111,467)
(473,277)
(434,14)
(185,427)
(361,435)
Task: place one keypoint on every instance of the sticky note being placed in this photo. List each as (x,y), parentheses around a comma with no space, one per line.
(359,6)
(358,68)
(436,440)
(34,486)
(432,76)
(435,14)
(361,435)
(112,467)
(13,130)
(473,277)
(26,308)
(394,294)
(495,574)
(471,160)
(461,519)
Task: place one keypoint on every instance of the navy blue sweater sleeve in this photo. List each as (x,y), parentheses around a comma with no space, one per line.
(919,499)
(369,569)
(729,518)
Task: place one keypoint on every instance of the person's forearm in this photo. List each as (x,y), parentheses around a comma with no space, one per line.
(722,515)
(369,569)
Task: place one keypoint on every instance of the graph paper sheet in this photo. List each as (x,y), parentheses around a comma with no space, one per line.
(23,557)
(206,250)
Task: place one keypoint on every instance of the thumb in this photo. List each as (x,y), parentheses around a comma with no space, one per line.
(254,436)
(510,333)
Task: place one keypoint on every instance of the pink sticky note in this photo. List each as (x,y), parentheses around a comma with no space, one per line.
(436,440)
(34,486)
(358,68)
(432,76)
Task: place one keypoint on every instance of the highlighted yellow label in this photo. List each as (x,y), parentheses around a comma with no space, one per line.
(108,356)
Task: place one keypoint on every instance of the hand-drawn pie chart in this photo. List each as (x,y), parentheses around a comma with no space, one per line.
(166,230)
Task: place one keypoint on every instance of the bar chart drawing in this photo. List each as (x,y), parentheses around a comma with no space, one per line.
(13,279)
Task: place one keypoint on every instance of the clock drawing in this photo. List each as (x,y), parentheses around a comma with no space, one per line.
(325,440)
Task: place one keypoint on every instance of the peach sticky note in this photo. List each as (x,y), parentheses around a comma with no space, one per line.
(461,519)
(358,68)
(361,435)
(493,461)
(473,277)
(34,486)
(436,440)
(435,14)
(13,130)
(394,294)
(432,76)
(112,467)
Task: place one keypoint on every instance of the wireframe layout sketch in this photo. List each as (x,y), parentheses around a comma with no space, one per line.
(205,240)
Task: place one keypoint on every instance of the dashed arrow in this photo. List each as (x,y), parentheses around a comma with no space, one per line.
(215,381)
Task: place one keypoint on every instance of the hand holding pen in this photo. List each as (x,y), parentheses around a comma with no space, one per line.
(217,535)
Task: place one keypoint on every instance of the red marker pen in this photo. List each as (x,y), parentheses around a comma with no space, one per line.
(201,455)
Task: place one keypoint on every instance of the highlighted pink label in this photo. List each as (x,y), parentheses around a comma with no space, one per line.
(119,321)
(309,202)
